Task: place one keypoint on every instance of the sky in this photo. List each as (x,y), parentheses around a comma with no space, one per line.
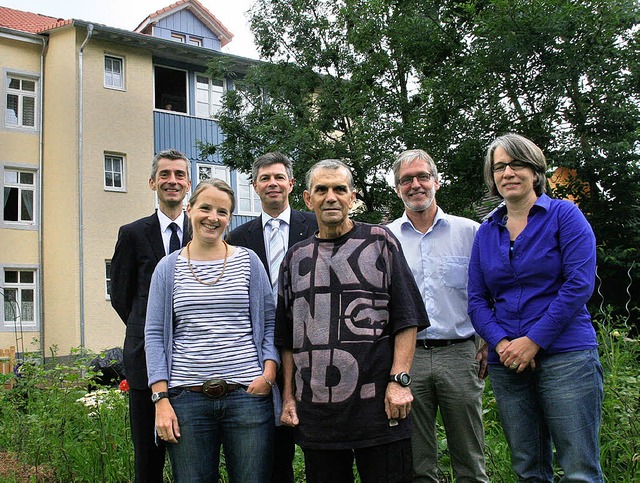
(127,14)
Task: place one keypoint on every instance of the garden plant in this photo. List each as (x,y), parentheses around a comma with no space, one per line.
(60,427)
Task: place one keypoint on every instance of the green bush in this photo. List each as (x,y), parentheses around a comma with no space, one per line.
(51,421)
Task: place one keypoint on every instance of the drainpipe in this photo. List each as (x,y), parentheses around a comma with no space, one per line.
(80,190)
(41,197)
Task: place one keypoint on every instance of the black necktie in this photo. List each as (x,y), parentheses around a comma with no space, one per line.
(174,241)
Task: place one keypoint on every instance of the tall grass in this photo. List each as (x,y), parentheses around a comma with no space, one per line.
(46,419)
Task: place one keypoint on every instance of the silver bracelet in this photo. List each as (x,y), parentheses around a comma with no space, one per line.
(268,381)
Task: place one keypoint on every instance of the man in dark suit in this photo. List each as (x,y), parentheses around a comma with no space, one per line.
(270,235)
(140,246)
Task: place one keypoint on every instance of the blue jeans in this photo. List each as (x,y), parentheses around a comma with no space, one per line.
(241,422)
(559,401)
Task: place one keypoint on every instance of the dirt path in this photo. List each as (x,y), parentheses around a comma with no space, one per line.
(12,470)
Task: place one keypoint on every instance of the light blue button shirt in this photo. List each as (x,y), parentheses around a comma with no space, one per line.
(439,261)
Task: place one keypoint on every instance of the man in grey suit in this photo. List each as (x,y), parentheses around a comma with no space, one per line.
(270,235)
(140,246)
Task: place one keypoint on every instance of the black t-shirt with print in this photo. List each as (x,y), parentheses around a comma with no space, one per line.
(341,301)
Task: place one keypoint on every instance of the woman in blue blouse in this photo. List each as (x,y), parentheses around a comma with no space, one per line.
(531,273)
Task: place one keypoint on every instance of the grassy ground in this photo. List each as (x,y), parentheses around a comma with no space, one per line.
(50,430)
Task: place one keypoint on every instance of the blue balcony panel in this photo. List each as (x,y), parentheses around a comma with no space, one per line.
(181,132)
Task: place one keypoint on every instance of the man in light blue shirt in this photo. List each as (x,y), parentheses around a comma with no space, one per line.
(448,371)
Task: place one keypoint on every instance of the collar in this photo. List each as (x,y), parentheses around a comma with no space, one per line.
(441,217)
(165,221)
(542,203)
(284,216)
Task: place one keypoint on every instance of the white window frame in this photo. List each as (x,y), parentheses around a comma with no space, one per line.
(21,186)
(110,81)
(244,192)
(16,306)
(197,41)
(123,174)
(21,95)
(209,171)
(178,37)
(107,279)
(208,99)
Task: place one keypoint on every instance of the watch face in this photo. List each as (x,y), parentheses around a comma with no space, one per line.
(405,379)
(156,396)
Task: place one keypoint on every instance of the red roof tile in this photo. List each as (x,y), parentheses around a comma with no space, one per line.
(27,21)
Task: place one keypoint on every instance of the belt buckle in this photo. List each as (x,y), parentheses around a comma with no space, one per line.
(215,388)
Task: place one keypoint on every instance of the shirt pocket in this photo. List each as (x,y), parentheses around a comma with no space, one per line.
(454,272)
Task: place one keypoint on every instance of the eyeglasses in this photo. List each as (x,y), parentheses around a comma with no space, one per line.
(422,178)
(515,165)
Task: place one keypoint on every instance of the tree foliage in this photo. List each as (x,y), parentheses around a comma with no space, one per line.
(364,80)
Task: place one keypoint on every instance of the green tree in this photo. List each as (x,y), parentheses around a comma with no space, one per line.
(364,80)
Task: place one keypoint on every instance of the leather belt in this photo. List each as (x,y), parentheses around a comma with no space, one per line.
(215,388)
(431,343)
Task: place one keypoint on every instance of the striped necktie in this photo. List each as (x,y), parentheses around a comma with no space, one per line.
(276,252)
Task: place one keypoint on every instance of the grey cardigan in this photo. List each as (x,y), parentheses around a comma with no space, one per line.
(158,331)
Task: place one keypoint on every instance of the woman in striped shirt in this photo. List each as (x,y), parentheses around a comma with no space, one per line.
(211,360)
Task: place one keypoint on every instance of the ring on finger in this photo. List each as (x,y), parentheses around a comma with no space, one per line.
(514,365)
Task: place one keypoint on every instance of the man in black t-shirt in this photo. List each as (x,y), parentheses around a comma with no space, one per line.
(348,311)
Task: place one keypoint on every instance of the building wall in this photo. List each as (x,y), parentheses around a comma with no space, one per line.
(20,149)
(120,122)
(60,194)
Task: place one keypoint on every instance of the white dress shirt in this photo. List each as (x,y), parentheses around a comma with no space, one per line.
(439,261)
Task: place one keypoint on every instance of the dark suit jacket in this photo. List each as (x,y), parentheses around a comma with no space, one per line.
(138,250)
(302,226)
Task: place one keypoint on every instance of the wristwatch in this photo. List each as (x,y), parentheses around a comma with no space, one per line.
(402,378)
(156,396)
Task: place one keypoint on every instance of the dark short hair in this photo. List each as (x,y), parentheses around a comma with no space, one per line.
(333,164)
(520,148)
(168,154)
(267,160)
(406,157)
(215,183)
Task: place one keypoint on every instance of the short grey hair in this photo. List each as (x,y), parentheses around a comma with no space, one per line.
(268,159)
(171,154)
(407,157)
(332,164)
(520,148)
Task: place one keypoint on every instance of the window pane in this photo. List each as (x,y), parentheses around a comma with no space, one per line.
(10,176)
(217,82)
(204,172)
(26,276)
(27,295)
(117,165)
(117,180)
(11,113)
(10,204)
(108,179)
(28,85)
(10,304)
(28,111)
(116,66)
(14,83)
(27,306)
(26,177)
(245,205)
(26,213)
(107,164)
(10,276)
